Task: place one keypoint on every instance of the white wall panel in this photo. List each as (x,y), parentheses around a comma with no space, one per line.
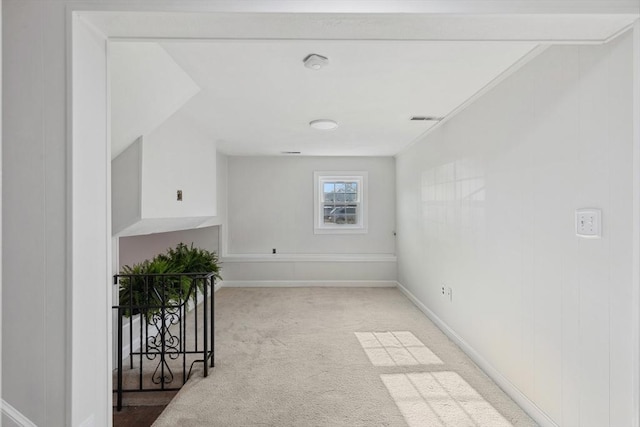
(270,205)
(308,271)
(34,210)
(178,157)
(486,206)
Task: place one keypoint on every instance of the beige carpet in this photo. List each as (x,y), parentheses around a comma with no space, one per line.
(335,357)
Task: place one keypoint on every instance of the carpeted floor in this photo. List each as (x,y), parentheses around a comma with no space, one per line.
(335,357)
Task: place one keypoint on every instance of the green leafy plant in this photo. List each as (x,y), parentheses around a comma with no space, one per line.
(140,287)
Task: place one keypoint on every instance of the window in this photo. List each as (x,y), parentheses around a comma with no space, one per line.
(340,202)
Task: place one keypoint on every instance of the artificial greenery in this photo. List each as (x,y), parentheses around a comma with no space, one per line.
(139,287)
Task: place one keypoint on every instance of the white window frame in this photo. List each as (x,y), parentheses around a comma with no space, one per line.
(319,178)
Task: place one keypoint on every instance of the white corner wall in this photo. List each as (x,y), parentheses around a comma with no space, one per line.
(485,205)
(270,205)
(148,174)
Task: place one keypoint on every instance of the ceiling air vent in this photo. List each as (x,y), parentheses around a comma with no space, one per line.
(291,152)
(426,118)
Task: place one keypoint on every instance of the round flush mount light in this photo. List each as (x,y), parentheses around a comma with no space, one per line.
(323,124)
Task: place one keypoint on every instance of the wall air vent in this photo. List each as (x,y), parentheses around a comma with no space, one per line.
(426,118)
(291,152)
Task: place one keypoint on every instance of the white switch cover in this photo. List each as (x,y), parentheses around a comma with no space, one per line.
(589,223)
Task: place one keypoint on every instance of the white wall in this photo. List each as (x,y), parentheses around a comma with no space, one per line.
(35,215)
(176,156)
(486,206)
(90,228)
(270,205)
(148,174)
(126,187)
(135,249)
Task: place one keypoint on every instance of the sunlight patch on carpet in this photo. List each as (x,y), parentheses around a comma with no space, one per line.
(440,399)
(397,348)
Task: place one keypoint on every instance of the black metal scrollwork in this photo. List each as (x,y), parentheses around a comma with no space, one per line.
(165,343)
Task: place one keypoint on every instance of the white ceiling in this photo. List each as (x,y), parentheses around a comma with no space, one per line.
(240,79)
(257,98)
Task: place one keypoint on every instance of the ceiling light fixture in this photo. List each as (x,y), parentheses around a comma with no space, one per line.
(323,124)
(315,61)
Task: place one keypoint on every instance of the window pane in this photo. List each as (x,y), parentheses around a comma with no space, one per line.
(329,197)
(327,210)
(340,214)
(341,197)
(328,187)
(340,187)
(351,187)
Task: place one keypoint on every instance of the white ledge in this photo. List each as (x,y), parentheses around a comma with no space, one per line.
(309,258)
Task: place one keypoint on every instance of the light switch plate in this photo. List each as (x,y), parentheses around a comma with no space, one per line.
(589,223)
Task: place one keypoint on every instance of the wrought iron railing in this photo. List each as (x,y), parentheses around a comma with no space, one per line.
(170,322)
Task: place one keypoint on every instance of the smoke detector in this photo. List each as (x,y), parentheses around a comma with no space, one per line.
(315,61)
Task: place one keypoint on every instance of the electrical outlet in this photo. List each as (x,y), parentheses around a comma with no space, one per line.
(273,251)
(443,290)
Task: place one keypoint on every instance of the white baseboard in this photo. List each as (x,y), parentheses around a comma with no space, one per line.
(507,386)
(309,284)
(16,416)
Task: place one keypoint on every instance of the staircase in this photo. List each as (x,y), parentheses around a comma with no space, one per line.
(176,336)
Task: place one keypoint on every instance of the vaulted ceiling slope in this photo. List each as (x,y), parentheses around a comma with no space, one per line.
(147,87)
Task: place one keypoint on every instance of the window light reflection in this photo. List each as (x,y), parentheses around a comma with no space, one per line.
(440,399)
(398,348)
